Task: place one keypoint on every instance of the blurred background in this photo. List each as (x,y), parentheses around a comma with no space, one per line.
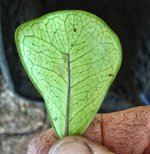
(22,111)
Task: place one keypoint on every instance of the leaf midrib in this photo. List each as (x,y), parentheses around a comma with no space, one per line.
(68,98)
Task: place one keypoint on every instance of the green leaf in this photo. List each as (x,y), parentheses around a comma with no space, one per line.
(71,57)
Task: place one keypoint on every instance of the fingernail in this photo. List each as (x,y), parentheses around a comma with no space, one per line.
(71,146)
(78,145)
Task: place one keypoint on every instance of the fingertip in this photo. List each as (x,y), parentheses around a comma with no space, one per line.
(94,131)
(70,144)
(32,147)
(42,143)
(77,145)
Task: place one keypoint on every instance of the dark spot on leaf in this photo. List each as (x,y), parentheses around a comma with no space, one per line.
(74,30)
(110,75)
(71,45)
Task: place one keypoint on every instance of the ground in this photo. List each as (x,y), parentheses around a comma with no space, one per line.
(20,121)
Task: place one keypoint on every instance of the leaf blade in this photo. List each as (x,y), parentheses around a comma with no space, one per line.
(72,57)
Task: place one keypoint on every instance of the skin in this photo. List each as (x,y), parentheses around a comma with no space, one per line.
(123,132)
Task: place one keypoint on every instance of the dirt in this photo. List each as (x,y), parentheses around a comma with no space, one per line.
(20,121)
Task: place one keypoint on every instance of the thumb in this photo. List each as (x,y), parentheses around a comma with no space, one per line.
(77,145)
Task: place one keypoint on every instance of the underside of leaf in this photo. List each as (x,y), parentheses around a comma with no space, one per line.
(71,57)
